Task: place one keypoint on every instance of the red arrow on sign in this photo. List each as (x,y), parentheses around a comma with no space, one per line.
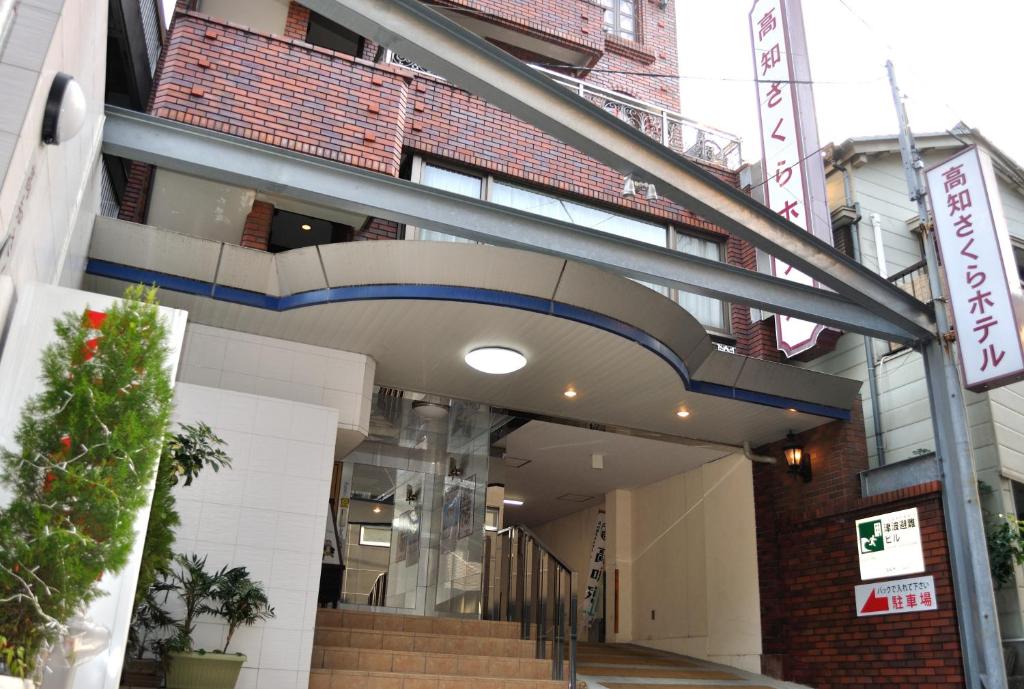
(875,604)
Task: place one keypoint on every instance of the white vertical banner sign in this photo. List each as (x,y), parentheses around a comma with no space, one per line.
(595,571)
(793,171)
(977,258)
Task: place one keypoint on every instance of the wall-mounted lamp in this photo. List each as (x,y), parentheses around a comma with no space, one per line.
(64,111)
(662,4)
(797,459)
(411,496)
(628,187)
(454,469)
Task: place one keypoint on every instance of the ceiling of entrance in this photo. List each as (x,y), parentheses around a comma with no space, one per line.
(418,307)
(560,477)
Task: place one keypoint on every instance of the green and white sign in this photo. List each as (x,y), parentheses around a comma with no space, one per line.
(890,545)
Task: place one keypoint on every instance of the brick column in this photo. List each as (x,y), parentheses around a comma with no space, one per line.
(256,234)
(297,23)
(134,203)
(378,228)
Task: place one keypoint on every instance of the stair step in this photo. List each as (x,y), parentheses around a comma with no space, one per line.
(357,679)
(423,642)
(348,619)
(417,663)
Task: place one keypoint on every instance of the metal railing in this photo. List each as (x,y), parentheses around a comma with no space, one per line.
(679,133)
(523,581)
(914,281)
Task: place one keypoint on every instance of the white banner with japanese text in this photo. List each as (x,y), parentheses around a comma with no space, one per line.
(591,595)
(977,257)
(793,171)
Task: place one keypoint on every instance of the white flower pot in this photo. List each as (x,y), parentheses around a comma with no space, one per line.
(7,682)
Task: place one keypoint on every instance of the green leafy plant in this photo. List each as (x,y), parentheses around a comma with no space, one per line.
(243,602)
(12,659)
(185,454)
(148,617)
(1004,536)
(196,587)
(88,445)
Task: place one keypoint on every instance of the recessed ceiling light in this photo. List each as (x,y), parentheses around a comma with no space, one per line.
(513,502)
(376,509)
(307,227)
(570,392)
(792,410)
(495,360)
(683,413)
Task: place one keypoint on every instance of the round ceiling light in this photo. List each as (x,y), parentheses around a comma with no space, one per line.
(495,360)
(683,413)
(570,393)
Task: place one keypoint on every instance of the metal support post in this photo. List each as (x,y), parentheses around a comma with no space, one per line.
(979,623)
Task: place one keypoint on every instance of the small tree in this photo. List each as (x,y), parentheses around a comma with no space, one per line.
(196,588)
(87,448)
(243,602)
(185,454)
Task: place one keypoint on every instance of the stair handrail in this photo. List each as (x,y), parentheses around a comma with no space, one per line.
(518,536)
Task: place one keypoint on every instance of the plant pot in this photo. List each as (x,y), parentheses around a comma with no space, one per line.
(203,670)
(8,682)
(141,672)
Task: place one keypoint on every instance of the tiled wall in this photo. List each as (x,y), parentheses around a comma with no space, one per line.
(266,366)
(267,513)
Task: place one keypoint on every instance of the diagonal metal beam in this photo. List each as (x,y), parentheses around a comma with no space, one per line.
(192,150)
(422,34)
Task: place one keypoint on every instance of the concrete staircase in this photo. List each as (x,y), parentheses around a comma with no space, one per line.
(359,650)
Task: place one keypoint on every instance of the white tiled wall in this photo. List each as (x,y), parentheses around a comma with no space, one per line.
(259,365)
(266,513)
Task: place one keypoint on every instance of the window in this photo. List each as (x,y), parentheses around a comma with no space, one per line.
(377,536)
(455,182)
(710,312)
(620,18)
(326,34)
(579,214)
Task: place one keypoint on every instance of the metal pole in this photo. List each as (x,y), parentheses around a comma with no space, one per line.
(979,624)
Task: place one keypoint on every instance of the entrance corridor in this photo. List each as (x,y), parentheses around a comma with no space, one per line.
(625,666)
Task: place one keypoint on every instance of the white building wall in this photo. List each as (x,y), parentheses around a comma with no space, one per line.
(284,410)
(266,513)
(49,194)
(686,548)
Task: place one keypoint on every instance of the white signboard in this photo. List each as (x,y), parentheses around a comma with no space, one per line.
(794,173)
(984,288)
(894,597)
(890,545)
(590,594)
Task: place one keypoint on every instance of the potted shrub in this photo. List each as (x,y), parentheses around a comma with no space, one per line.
(230,594)
(185,454)
(87,447)
(13,666)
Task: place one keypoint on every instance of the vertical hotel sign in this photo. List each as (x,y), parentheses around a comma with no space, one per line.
(977,257)
(794,175)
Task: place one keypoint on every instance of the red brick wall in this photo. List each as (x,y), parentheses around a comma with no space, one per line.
(808,567)
(283,92)
(378,228)
(572,23)
(296,25)
(654,52)
(256,233)
(136,193)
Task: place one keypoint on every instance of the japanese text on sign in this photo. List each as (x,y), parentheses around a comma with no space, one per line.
(985,293)
(785,140)
(893,597)
(890,544)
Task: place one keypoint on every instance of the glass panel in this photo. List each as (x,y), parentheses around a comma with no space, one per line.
(707,311)
(455,182)
(579,214)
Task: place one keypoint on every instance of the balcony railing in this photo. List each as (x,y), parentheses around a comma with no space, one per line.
(914,281)
(679,133)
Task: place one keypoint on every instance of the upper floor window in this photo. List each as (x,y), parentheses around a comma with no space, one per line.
(455,182)
(710,312)
(620,18)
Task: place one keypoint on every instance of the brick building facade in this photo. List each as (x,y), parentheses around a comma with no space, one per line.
(281,90)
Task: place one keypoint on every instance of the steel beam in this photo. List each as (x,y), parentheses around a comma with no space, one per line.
(419,32)
(192,150)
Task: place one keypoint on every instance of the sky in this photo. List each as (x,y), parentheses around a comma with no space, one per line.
(954,61)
